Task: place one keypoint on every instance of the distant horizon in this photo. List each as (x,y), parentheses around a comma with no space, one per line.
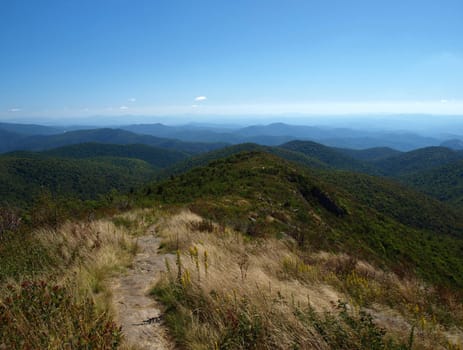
(425,124)
(326,109)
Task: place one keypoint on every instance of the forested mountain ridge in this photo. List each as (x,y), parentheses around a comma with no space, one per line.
(444,183)
(418,160)
(24,176)
(157,157)
(104,135)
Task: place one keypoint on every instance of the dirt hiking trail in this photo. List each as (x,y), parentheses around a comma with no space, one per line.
(138,313)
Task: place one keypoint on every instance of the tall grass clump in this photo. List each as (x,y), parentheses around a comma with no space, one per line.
(36,315)
(66,302)
(237,298)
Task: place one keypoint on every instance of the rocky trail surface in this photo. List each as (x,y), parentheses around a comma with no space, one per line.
(139,314)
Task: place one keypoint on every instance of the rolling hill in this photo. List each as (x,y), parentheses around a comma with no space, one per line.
(455,144)
(8,140)
(23,176)
(30,129)
(278,133)
(422,159)
(328,155)
(444,183)
(113,136)
(205,158)
(157,157)
(370,154)
(262,195)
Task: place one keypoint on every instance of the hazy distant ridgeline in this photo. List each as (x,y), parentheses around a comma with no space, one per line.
(30,129)
(36,137)
(14,141)
(278,133)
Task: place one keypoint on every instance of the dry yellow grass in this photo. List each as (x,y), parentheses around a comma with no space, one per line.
(232,291)
(85,256)
(222,269)
(90,253)
(233,263)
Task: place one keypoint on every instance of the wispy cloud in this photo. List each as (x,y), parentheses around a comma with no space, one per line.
(194,106)
(13,110)
(200,98)
(123,108)
(132,100)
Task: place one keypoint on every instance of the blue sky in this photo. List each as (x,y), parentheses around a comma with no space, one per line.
(112,57)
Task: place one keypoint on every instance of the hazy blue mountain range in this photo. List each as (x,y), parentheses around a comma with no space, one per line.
(9,141)
(36,137)
(14,141)
(30,129)
(278,133)
(455,144)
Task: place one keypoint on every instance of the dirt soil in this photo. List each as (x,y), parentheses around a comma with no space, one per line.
(138,313)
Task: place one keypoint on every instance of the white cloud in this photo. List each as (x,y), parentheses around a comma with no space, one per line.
(132,99)
(194,106)
(444,101)
(123,108)
(13,110)
(200,98)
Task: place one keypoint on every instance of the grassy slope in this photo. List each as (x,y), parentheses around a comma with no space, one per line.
(263,195)
(54,286)
(226,291)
